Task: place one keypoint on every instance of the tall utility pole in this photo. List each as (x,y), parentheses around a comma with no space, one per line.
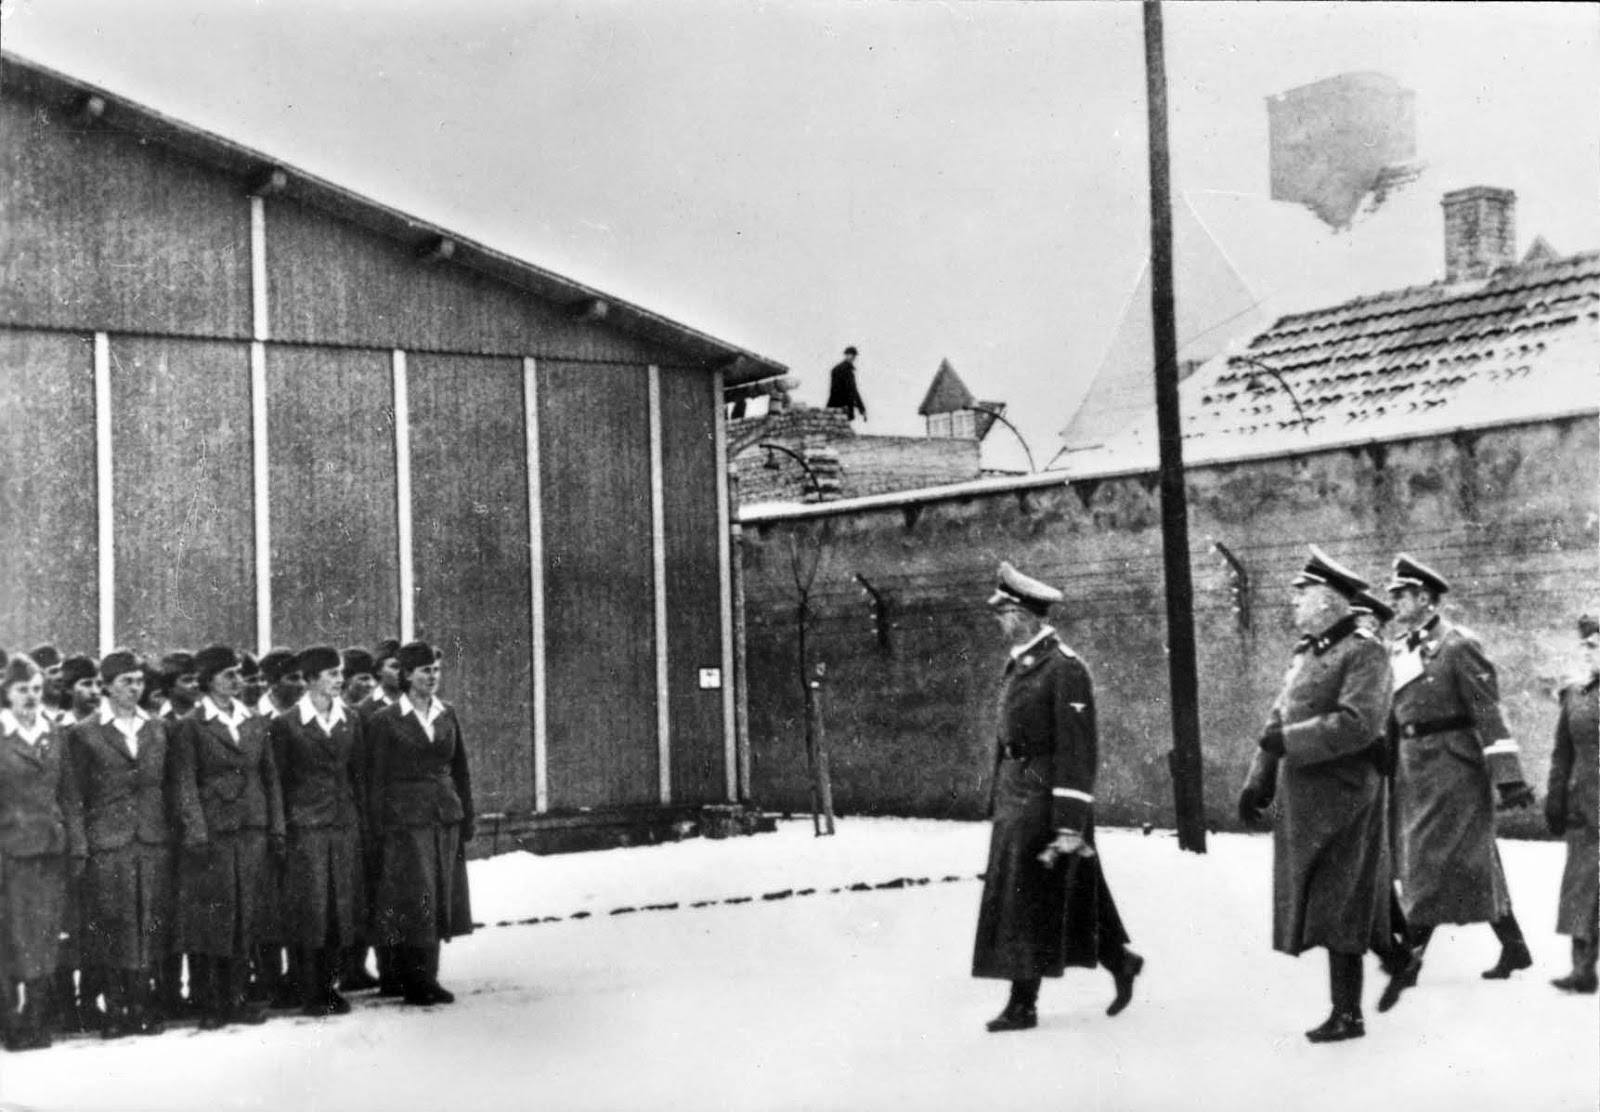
(1185,759)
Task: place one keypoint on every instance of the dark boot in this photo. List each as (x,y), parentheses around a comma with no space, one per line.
(67,1016)
(33,1028)
(147,1010)
(355,977)
(1404,966)
(1514,953)
(430,959)
(1021,1010)
(170,1001)
(287,992)
(119,986)
(206,991)
(12,1023)
(1123,976)
(389,980)
(91,984)
(1344,986)
(232,975)
(1582,978)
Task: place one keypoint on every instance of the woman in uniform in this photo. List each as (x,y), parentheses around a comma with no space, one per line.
(420,809)
(1570,811)
(316,742)
(222,750)
(118,761)
(40,835)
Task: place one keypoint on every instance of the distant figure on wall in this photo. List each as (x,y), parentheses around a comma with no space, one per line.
(842,392)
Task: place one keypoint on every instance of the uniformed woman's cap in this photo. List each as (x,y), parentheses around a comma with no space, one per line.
(358,662)
(387,649)
(179,662)
(1324,571)
(1588,627)
(76,669)
(417,654)
(19,669)
(114,664)
(1364,602)
(211,660)
(277,664)
(249,666)
(1012,588)
(1409,573)
(317,660)
(46,656)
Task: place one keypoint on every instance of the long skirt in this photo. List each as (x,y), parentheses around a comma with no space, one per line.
(322,890)
(128,898)
(32,903)
(1578,909)
(1035,921)
(422,887)
(224,896)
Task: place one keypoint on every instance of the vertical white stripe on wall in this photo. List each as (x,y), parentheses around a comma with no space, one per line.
(730,758)
(263,514)
(105,538)
(402,493)
(258,268)
(658,552)
(530,402)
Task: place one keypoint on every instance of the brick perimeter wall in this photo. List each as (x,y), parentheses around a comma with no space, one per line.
(1510,515)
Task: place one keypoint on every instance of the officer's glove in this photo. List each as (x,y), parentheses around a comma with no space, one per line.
(1272,740)
(1252,807)
(1515,796)
(1066,844)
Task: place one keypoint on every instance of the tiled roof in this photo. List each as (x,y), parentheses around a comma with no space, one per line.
(946,393)
(1522,345)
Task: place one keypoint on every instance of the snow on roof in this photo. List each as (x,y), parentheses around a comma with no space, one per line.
(1521,346)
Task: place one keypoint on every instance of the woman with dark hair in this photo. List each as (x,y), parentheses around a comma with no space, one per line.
(316,742)
(221,748)
(420,810)
(41,834)
(118,761)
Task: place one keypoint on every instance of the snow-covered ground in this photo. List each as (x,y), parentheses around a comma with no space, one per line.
(849,999)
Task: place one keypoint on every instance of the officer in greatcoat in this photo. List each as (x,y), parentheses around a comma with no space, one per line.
(1454,761)
(1320,757)
(1045,903)
(420,812)
(1571,812)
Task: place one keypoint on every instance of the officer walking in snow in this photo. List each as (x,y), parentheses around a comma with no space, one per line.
(1321,757)
(1045,902)
(1454,756)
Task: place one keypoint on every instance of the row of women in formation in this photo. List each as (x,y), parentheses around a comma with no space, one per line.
(232,837)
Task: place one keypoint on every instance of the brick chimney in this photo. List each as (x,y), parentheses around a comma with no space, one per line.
(1480,232)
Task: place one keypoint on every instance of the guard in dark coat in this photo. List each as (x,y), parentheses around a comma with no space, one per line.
(1453,757)
(1045,902)
(1320,757)
(131,805)
(224,887)
(1571,812)
(317,743)
(420,810)
(842,391)
(41,837)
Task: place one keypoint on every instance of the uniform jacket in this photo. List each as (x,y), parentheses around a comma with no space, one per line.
(321,781)
(128,799)
(417,781)
(1574,778)
(1331,865)
(1445,677)
(39,814)
(1046,712)
(236,781)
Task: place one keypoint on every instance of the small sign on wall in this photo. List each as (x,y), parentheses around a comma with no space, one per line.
(710,679)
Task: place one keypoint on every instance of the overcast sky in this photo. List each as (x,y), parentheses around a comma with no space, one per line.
(923,180)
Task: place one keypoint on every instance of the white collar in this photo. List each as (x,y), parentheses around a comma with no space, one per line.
(10,724)
(1046,631)
(213,712)
(108,714)
(435,709)
(381,697)
(308,713)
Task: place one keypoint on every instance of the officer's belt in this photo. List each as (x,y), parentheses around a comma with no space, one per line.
(1437,726)
(1012,753)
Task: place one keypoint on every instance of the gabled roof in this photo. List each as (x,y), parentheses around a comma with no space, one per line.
(42,84)
(1521,346)
(946,393)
